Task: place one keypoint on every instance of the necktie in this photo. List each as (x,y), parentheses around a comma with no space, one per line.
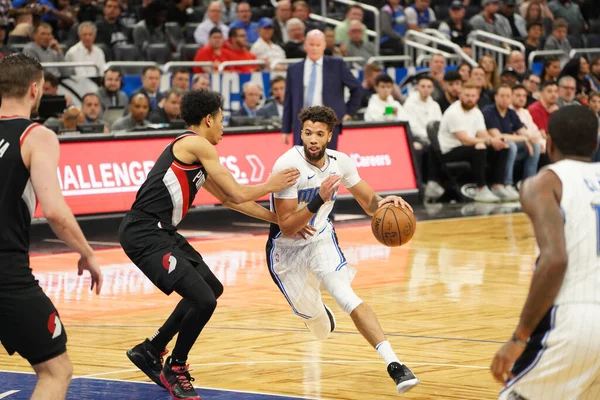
(312,82)
(152,102)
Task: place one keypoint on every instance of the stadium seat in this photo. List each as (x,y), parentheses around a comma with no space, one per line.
(18,47)
(593,40)
(127,52)
(108,53)
(173,29)
(471,11)
(441,12)
(594,26)
(576,41)
(190,28)
(158,52)
(188,51)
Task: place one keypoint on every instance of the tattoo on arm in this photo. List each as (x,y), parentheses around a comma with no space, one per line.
(374,202)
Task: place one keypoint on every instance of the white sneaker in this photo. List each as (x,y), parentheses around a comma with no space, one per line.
(512,192)
(486,196)
(501,193)
(433,190)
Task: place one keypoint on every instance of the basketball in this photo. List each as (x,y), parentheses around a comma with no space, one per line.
(393,226)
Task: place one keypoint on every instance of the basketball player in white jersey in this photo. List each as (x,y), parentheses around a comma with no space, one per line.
(554,353)
(299,264)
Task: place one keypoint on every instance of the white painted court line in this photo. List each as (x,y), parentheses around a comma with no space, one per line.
(6,394)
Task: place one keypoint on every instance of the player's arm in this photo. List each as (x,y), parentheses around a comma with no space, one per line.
(250,208)
(235,193)
(371,201)
(41,154)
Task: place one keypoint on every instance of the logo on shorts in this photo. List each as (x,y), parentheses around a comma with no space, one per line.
(169,262)
(54,325)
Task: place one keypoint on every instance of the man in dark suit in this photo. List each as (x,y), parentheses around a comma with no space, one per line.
(252,94)
(274,107)
(318,80)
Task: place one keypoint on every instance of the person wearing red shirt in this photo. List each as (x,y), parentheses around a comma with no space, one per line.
(213,51)
(540,110)
(237,50)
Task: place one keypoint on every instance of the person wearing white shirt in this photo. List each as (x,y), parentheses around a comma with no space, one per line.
(463,137)
(519,101)
(264,48)
(382,106)
(422,110)
(214,13)
(85,50)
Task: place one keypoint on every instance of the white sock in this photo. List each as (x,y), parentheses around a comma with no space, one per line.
(387,353)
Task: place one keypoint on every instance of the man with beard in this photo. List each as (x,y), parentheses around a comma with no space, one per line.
(299,265)
(110,93)
(29,154)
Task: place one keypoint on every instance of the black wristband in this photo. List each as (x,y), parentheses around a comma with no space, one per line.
(315,204)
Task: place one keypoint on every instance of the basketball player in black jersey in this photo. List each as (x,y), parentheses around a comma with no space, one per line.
(149,235)
(29,153)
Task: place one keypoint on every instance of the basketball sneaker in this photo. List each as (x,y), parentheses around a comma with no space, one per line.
(148,360)
(404,378)
(331,317)
(178,381)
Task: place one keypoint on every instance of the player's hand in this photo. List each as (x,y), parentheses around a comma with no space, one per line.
(498,144)
(283,179)
(397,200)
(504,360)
(91,264)
(329,186)
(307,231)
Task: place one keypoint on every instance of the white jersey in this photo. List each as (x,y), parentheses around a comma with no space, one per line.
(580,205)
(309,183)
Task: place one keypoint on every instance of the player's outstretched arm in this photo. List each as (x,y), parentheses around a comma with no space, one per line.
(41,154)
(250,208)
(234,192)
(371,201)
(540,199)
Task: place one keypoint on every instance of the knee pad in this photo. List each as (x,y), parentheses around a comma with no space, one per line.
(338,285)
(320,326)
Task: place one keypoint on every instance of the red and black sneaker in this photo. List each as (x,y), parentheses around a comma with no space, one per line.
(148,360)
(178,381)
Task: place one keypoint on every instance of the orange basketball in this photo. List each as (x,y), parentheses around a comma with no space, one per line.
(393,226)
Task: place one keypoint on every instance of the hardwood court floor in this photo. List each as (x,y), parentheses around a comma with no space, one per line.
(447,300)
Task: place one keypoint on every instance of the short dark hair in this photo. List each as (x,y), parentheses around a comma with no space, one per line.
(518,86)
(18,72)
(51,79)
(233,32)
(383,78)
(41,25)
(503,86)
(546,84)
(85,96)
(114,69)
(319,114)
(213,31)
(150,68)
(534,23)
(197,104)
(559,23)
(180,70)
(452,76)
(355,6)
(176,91)
(277,79)
(592,95)
(574,130)
(425,78)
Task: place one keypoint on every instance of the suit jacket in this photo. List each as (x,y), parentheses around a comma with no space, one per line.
(336,77)
(268,111)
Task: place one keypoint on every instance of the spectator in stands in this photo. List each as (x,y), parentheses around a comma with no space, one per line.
(464,69)
(65,17)
(46,49)
(595,106)
(229,8)
(534,34)
(558,39)
(540,110)
(371,71)
(212,22)
(452,87)
(532,85)
(570,12)
(357,46)
(237,50)
(534,15)
(382,106)
(51,87)
(516,21)
(478,79)
(181,79)
(492,79)
(342,31)
(150,84)
(301,11)
(251,96)
(578,68)
(87,11)
(393,26)
(86,50)
(201,82)
(509,77)
(490,20)
(332,49)
(92,109)
(69,121)
(273,108)
(455,27)
(503,122)
(264,48)
(212,52)
(294,48)
(519,103)
(4,49)
(178,12)
(550,69)
(463,136)
(419,15)
(170,111)
(567,88)
(544,10)
(437,69)
(139,107)
(595,74)
(516,61)
(244,21)
(111,31)
(422,110)
(283,13)
(151,30)
(318,80)
(110,93)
